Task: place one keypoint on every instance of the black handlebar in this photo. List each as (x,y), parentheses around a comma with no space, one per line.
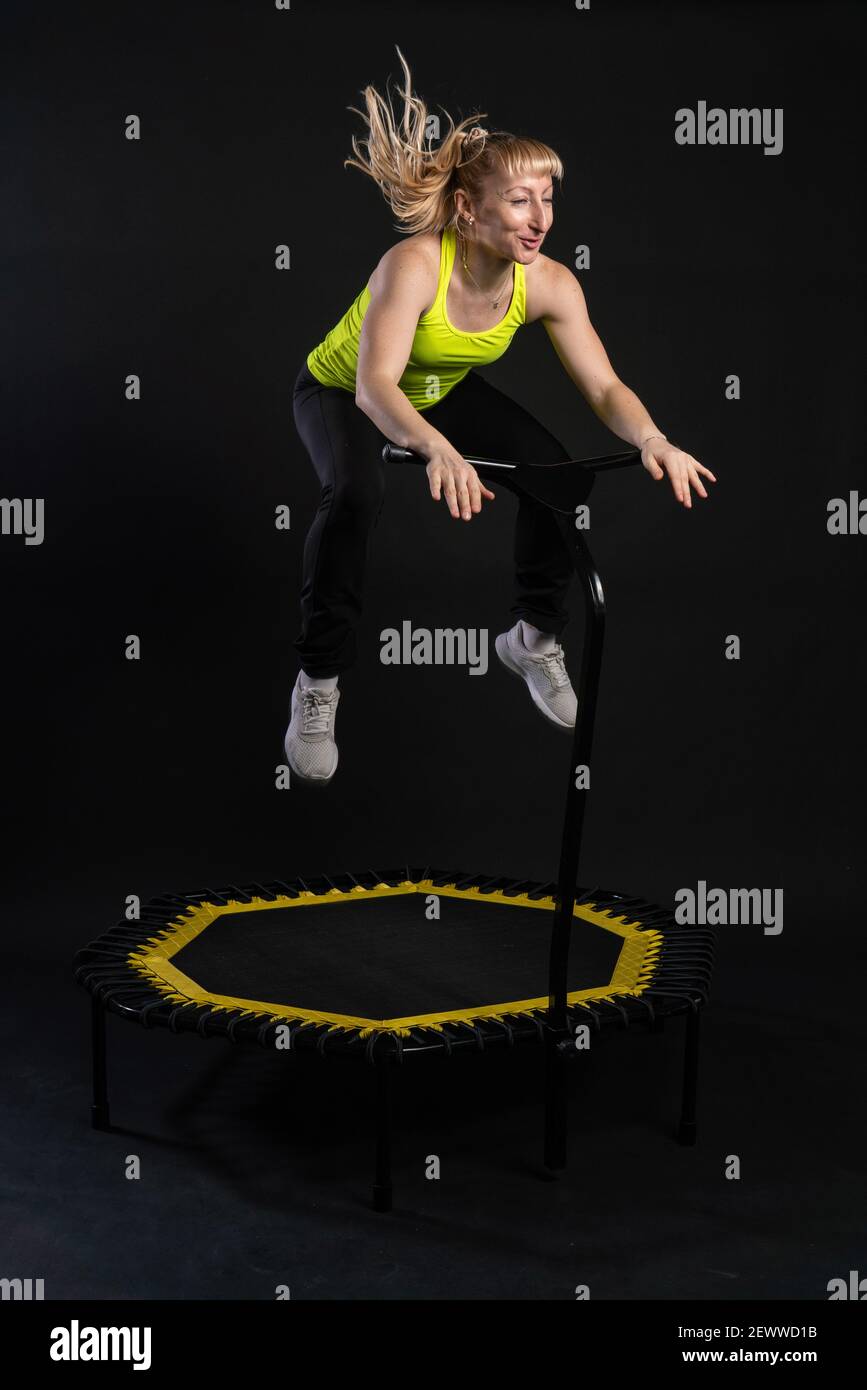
(560,486)
(392,453)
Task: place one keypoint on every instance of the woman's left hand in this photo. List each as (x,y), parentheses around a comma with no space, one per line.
(660,456)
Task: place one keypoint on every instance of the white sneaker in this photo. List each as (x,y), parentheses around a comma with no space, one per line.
(309,743)
(545,675)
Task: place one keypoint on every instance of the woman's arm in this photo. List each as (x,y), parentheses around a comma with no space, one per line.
(559,301)
(402,286)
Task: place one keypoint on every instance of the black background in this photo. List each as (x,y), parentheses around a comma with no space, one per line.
(156,257)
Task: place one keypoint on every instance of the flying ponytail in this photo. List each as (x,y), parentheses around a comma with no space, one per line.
(418,179)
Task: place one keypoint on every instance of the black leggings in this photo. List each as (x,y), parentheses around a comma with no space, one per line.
(345,447)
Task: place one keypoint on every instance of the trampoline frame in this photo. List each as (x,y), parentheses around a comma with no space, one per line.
(682,974)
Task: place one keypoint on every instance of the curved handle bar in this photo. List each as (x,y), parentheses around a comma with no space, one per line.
(560,486)
(392,453)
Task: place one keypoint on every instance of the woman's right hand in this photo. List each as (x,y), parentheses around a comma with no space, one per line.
(449,474)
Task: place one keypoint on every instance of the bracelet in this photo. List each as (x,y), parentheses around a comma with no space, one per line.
(652,436)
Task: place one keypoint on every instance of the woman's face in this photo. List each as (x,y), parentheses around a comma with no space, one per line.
(514,215)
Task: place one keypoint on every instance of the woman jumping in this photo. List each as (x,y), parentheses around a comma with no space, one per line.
(399,367)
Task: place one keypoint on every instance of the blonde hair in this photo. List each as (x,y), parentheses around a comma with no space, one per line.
(419,181)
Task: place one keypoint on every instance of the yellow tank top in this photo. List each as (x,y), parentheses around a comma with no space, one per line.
(440,356)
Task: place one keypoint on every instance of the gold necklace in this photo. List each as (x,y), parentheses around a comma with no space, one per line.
(494,303)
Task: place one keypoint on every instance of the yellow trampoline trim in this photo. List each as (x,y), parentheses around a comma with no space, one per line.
(631,975)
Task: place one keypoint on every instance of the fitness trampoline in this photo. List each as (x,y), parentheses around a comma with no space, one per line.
(386,966)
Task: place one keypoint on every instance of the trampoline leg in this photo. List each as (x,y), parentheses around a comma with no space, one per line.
(99,1109)
(382,1190)
(686,1133)
(555,1109)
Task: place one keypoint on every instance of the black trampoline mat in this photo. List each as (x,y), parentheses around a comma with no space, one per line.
(381,958)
